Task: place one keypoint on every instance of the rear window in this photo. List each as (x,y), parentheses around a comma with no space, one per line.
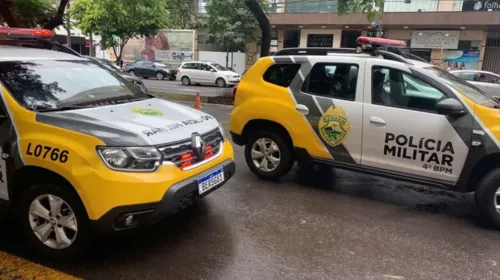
(190,66)
(281,74)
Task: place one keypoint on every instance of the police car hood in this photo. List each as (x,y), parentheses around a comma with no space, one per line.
(148,122)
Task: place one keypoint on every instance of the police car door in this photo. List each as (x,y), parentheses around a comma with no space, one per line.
(402,132)
(332,92)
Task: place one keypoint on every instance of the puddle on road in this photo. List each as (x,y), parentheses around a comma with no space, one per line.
(417,197)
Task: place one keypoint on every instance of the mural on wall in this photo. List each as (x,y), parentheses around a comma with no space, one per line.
(168,46)
(460,60)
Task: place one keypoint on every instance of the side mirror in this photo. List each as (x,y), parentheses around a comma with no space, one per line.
(450,107)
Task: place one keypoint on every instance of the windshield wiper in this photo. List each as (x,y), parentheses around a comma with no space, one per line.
(62,108)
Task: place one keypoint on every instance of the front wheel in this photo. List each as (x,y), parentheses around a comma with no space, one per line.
(54,221)
(268,155)
(220,82)
(488,197)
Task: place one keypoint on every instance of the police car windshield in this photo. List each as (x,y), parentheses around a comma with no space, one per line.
(463,87)
(50,84)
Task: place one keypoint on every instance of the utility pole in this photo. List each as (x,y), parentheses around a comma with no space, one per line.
(68,26)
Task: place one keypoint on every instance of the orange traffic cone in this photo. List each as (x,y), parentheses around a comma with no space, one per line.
(197,101)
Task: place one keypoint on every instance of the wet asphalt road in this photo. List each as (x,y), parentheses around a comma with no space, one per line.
(312,225)
(167,86)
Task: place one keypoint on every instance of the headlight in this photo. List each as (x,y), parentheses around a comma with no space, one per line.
(130,159)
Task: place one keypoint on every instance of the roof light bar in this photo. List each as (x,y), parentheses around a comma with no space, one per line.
(374,43)
(25,33)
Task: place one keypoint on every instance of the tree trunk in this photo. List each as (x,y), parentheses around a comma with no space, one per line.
(264,24)
(227,55)
(91,44)
(58,17)
(68,28)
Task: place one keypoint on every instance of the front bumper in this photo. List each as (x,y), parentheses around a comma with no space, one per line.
(232,81)
(177,197)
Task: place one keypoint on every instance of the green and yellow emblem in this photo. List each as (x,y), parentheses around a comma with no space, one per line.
(147,112)
(334,126)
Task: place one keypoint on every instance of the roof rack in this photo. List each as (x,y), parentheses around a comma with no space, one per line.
(313,51)
(387,48)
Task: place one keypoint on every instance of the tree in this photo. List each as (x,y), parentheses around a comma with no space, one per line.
(229,23)
(181,12)
(118,21)
(47,14)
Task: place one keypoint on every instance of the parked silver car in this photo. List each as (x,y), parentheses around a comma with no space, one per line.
(487,81)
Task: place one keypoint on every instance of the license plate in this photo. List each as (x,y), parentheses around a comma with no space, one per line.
(208,182)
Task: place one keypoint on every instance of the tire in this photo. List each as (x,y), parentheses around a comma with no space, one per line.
(80,240)
(160,76)
(185,80)
(286,159)
(485,198)
(145,78)
(131,72)
(172,78)
(220,82)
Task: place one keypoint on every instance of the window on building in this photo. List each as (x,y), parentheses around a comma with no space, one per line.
(281,74)
(291,38)
(393,88)
(316,6)
(320,40)
(333,80)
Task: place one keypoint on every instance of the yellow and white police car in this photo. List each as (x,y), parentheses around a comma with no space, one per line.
(84,151)
(375,110)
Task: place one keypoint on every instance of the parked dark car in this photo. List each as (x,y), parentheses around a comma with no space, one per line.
(131,78)
(146,69)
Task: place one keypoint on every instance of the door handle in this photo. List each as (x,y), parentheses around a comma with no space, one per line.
(377,120)
(302,109)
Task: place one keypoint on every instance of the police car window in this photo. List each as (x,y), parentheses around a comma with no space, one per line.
(281,74)
(333,80)
(391,87)
(50,84)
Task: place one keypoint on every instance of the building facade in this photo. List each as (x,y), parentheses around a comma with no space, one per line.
(447,33)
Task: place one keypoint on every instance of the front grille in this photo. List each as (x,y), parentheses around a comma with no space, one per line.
(174,153)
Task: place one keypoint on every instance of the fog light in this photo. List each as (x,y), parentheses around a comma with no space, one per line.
(129,220)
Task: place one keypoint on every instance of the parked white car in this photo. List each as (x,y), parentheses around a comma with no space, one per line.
(207,72)
(487,81)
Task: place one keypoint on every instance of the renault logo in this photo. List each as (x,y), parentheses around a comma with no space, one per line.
(198,145)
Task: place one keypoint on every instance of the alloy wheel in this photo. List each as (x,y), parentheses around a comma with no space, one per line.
(53,221)
(266,154)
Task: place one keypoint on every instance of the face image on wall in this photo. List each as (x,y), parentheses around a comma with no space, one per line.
(460,60)
(168,46)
